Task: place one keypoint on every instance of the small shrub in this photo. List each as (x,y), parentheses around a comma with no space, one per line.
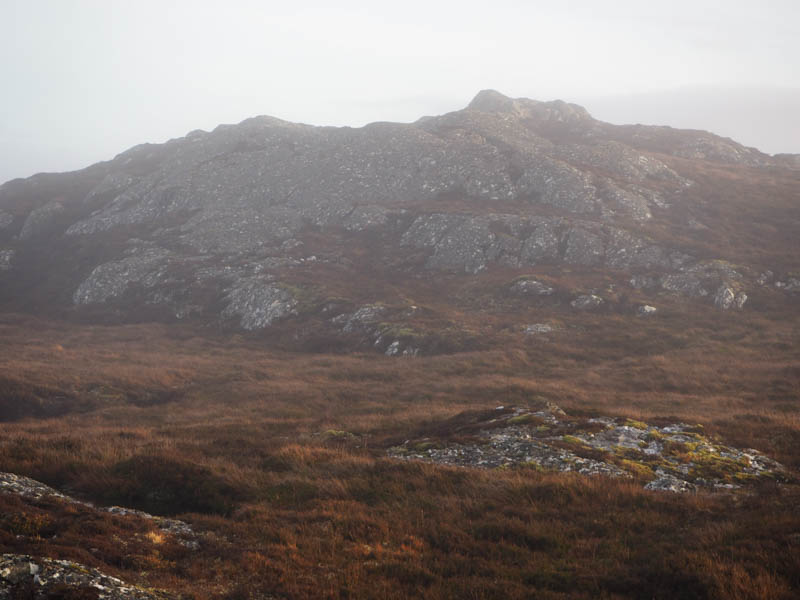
(167,486)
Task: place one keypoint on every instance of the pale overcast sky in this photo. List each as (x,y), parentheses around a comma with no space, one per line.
(83,80)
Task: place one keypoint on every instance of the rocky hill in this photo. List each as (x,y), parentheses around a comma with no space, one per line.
(403,237)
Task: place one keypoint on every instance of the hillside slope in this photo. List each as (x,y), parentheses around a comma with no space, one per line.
(402,237)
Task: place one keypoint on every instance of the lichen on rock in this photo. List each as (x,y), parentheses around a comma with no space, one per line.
(675,457)
(34,577)
(258,303)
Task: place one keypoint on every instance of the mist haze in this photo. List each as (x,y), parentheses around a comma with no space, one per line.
(432,300)
(85,80)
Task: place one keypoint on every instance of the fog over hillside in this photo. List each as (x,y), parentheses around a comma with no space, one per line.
(767,118)
(82,81)
(421,300)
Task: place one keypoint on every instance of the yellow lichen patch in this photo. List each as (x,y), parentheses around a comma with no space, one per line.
(156,537)
(708,464)
(637,469)
(423,446)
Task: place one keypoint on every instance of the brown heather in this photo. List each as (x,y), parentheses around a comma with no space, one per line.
(231,437)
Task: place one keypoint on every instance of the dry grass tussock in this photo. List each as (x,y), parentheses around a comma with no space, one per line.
(280,458)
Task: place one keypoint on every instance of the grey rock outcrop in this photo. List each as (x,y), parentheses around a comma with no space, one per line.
(726,298)
(668,458)
(646,310)
(666,482)
(584,248)
(792,284)
(146,267)
(461,243)
(34,577)
(531,287)
(29,488)
(644,282)
(6,259)
(360,180)
(471,244)
(765,278)
(41,219)
(257,303)
(587,302)
(706,277)
(206,226)
(6,219)
(35,490)
(362,318)
(397,348)
(543,244)
(538,328)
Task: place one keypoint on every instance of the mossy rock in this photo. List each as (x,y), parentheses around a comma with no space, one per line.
(709,465)
(399,331)
(424,446)
(637,469)
(654,434)
(524,419)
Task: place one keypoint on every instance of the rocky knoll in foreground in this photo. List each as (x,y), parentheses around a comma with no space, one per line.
(267,222)
(41,578)
(31,489)
(674,457)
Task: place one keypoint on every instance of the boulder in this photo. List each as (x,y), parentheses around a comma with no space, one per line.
(537,328)
(726,298)
(646,310)
(531,287)
(587,302)
(27,576)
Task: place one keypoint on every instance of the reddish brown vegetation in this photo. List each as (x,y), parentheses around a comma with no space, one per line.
(233,440)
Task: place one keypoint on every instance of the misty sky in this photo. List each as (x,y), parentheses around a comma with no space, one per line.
(83,80)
